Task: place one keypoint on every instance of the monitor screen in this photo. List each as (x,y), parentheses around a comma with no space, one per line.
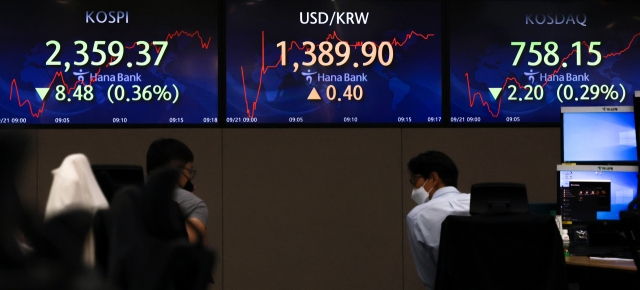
(110,63)
(598,134)
(333,62)
(520,61)
(595,193)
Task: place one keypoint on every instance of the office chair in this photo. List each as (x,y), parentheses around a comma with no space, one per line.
(148,243)
(498,197)
(113,177)
(509,251)
(500,247)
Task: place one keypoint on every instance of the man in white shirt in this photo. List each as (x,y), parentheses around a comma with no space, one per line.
(434,177)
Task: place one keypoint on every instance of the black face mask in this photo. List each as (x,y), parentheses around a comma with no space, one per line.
(188,186)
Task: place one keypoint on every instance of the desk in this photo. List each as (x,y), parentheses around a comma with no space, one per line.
(607,264)
(601,274)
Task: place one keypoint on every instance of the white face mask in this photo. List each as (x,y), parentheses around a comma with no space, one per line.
(420,195)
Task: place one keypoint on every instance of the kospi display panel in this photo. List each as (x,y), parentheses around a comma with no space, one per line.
(108,62)
(331,62)
(519,61)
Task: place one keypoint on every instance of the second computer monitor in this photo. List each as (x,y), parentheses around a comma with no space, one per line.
(595,193)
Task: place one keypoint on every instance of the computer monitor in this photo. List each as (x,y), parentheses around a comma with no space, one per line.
(595,194)
(112,178)
(636,117)
(599,135)
(498,197)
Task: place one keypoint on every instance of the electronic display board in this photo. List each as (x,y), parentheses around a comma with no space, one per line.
(108,62)
(520,61)
(333,62)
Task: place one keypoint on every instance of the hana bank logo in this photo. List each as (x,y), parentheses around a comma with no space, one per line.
(308,75)
(80,75)
(531,75)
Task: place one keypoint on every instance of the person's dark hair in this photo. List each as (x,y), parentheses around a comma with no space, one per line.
(434,161)
(164,151)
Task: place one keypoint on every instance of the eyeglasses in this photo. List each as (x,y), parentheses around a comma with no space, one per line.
(414,179)
(192,172)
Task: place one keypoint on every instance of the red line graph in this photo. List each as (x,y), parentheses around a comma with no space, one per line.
(203,44)
(14,86)
(472,98)
(393,42)
(59,74)
(332,36)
